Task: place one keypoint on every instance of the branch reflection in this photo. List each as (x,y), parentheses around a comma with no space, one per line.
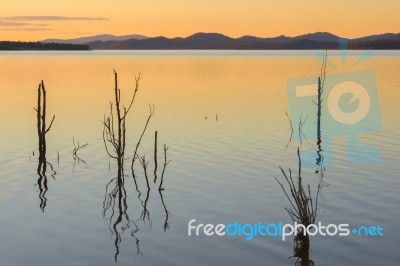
(115,212)
(115,204)
(42,130)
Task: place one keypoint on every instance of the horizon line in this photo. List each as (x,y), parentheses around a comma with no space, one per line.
(233,37)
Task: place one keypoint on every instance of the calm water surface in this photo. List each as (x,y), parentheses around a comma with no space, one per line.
(222,115)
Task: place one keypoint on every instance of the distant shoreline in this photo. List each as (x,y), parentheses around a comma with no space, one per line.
(212,41)
(194,49)
(41,46)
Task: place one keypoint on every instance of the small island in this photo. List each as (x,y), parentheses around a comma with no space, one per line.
(41,46)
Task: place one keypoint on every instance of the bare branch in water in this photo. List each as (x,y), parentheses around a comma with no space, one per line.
(303,209)
(165,165)
(42,130)
(151,113)
(155,157)
(166,224)
(137,79)
(78,147)
(114,133)
(291,130)
(144,164)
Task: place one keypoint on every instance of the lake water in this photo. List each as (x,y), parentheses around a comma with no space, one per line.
(223,116)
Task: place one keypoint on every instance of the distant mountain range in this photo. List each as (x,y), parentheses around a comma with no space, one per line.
(318,40)
(102,37)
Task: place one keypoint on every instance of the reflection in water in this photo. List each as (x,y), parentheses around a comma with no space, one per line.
(135,155)
(42,184)
(166,224)
(155,157)
(145,216)
(115,212)
(303,209)
(166,162)
(321,83)
(42,180)
(42,130)
(75,156)
(303,206)
(115,206)
(291,131)
(301,252)
(160,188)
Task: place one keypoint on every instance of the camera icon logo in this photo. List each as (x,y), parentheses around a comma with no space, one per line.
(349,107)
(358,92)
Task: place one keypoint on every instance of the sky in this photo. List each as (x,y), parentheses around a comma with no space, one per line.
(29,20)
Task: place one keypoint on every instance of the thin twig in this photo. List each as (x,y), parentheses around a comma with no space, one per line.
(155,157)
(165,165)
(151,113)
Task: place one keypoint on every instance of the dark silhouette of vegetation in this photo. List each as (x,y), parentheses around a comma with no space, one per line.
(41,119)
(145,216)
(75,155)
(166,224)
(291,131)
(115,206)
(135,155)
(20,46)
(115,211)
(302,253)
(42,130)
(304,209)
(42,181)
(160,189)
(114,133)
(165,165)
(155,157)
(321,82)
(304,206)
(114,125)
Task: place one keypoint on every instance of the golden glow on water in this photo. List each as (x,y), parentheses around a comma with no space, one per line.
(243,89)
(229,164)
(182,84)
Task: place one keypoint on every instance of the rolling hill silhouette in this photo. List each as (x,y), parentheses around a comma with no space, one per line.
(318,40)
(216,41)
(102,37)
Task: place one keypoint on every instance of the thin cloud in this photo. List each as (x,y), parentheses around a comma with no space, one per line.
(33,23)
(13,24)
(49,18)
(25,29)
(19,24)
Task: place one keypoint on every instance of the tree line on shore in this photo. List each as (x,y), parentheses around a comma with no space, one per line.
(18,46)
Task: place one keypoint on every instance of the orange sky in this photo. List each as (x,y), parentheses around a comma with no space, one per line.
(29,20)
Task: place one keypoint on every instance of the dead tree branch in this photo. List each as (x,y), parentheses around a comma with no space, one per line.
(165,165)
(151,113)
